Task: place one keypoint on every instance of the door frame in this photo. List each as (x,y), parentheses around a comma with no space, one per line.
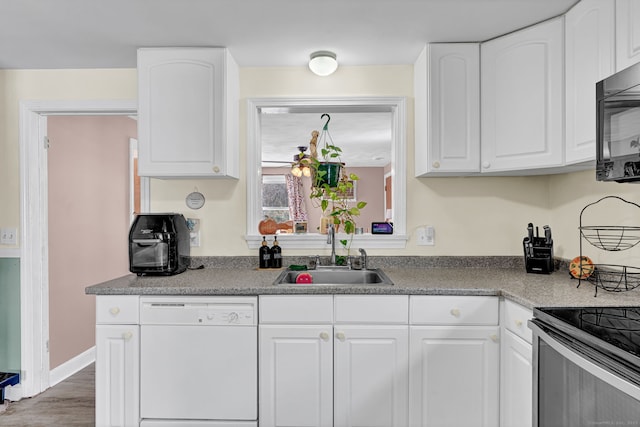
(34,280)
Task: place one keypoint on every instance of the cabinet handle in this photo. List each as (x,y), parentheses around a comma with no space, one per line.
(436,164)
(455,312)
(493,337)
(340,336)
(127,335)
(216,169)
(324,336)
(114,311)
(518,323)
(486,165)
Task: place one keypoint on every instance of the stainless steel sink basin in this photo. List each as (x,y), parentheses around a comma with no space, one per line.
(335,276)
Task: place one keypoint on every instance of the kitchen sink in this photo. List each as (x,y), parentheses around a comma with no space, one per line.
(334,276)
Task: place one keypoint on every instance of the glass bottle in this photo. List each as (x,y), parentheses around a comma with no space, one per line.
(276,254)
(265,254)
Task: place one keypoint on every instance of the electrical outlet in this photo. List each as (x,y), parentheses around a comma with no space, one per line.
(8,236)
(425,236)
(195,239)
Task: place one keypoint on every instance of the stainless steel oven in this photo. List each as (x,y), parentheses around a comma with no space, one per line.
(586,368)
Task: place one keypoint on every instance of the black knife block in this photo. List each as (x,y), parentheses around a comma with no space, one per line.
(538,256)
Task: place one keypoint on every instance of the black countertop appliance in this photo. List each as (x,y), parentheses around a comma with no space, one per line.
(159,244)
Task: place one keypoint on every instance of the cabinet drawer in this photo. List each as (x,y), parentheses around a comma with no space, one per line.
(454,310)
(515,319)
(372,309)
(306,309)
(117,309)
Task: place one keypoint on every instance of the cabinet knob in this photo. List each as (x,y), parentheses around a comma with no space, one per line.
(518,323)
(493,337)
(340,336)
(455,312)
(486,165)
(127,335)
(324,336)
(436,164)
(216,169)
(114,311)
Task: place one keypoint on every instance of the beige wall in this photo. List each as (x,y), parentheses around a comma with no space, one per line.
(471,216)
(88,222)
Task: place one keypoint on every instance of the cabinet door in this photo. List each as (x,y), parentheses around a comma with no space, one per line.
(371,376)
(185,123)
(516,382)
(454,376)
(296,384)
(522,99)
(117,375)
(589,57)
(627,33)
(447,113)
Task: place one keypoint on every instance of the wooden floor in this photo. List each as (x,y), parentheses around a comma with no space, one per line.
(70,403)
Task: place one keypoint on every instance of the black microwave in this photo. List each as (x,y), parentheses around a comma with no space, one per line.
(618,126)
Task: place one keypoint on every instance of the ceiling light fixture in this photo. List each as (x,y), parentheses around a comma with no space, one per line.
(300,165)
(323,62)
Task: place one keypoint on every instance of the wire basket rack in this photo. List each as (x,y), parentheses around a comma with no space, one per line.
(612,238)
(615,278)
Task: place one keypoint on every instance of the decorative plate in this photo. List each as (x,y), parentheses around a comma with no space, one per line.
(195,200)
(581,267)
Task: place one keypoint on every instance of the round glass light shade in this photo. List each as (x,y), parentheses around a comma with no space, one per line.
(323,62)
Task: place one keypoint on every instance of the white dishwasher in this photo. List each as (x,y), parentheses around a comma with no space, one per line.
(198,361)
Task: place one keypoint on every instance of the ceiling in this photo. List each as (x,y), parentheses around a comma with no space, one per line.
(106,33)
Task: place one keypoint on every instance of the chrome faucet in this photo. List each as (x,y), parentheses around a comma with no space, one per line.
(331,238)
(363,258)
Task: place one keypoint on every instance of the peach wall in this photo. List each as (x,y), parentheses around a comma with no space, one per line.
(88,163)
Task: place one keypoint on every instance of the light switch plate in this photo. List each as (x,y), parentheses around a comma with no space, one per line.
(8,236)
(425,236)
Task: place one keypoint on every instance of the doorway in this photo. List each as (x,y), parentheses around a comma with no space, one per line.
(34,233)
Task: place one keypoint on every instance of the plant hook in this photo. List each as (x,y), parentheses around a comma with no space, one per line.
(326,125)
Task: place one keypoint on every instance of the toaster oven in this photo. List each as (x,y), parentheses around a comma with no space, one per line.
(159,244)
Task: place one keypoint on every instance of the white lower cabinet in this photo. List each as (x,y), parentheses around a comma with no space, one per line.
(454,362)
(296,368)
(516,369)
(516,384)
(371,376)
(117,361)
(352,372)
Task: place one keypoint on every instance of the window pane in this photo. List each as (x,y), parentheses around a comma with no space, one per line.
(275,202)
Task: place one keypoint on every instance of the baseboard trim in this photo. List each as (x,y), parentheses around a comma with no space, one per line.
(72,366)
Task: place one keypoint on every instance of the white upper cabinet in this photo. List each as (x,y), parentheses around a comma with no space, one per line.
(627,33)
(589,57)
(447,109)
(187,113)
(522,99)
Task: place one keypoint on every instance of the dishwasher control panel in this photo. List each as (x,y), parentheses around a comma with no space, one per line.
(198,310)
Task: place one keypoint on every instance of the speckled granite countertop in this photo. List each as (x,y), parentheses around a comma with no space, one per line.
(411,276)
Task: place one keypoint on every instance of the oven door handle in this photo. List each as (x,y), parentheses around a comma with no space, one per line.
(552,339)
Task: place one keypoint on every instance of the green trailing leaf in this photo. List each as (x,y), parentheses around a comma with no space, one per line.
(361,205)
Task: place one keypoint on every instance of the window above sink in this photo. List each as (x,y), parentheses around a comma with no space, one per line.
(393,109)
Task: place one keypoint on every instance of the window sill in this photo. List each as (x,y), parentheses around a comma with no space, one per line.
(319,241)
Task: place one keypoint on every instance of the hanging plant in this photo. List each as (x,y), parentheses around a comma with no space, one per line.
(331,190)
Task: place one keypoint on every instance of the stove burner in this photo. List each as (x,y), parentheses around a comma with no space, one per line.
(618,326)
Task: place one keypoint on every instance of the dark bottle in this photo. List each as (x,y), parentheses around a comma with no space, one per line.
(265,254)
(276,254)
